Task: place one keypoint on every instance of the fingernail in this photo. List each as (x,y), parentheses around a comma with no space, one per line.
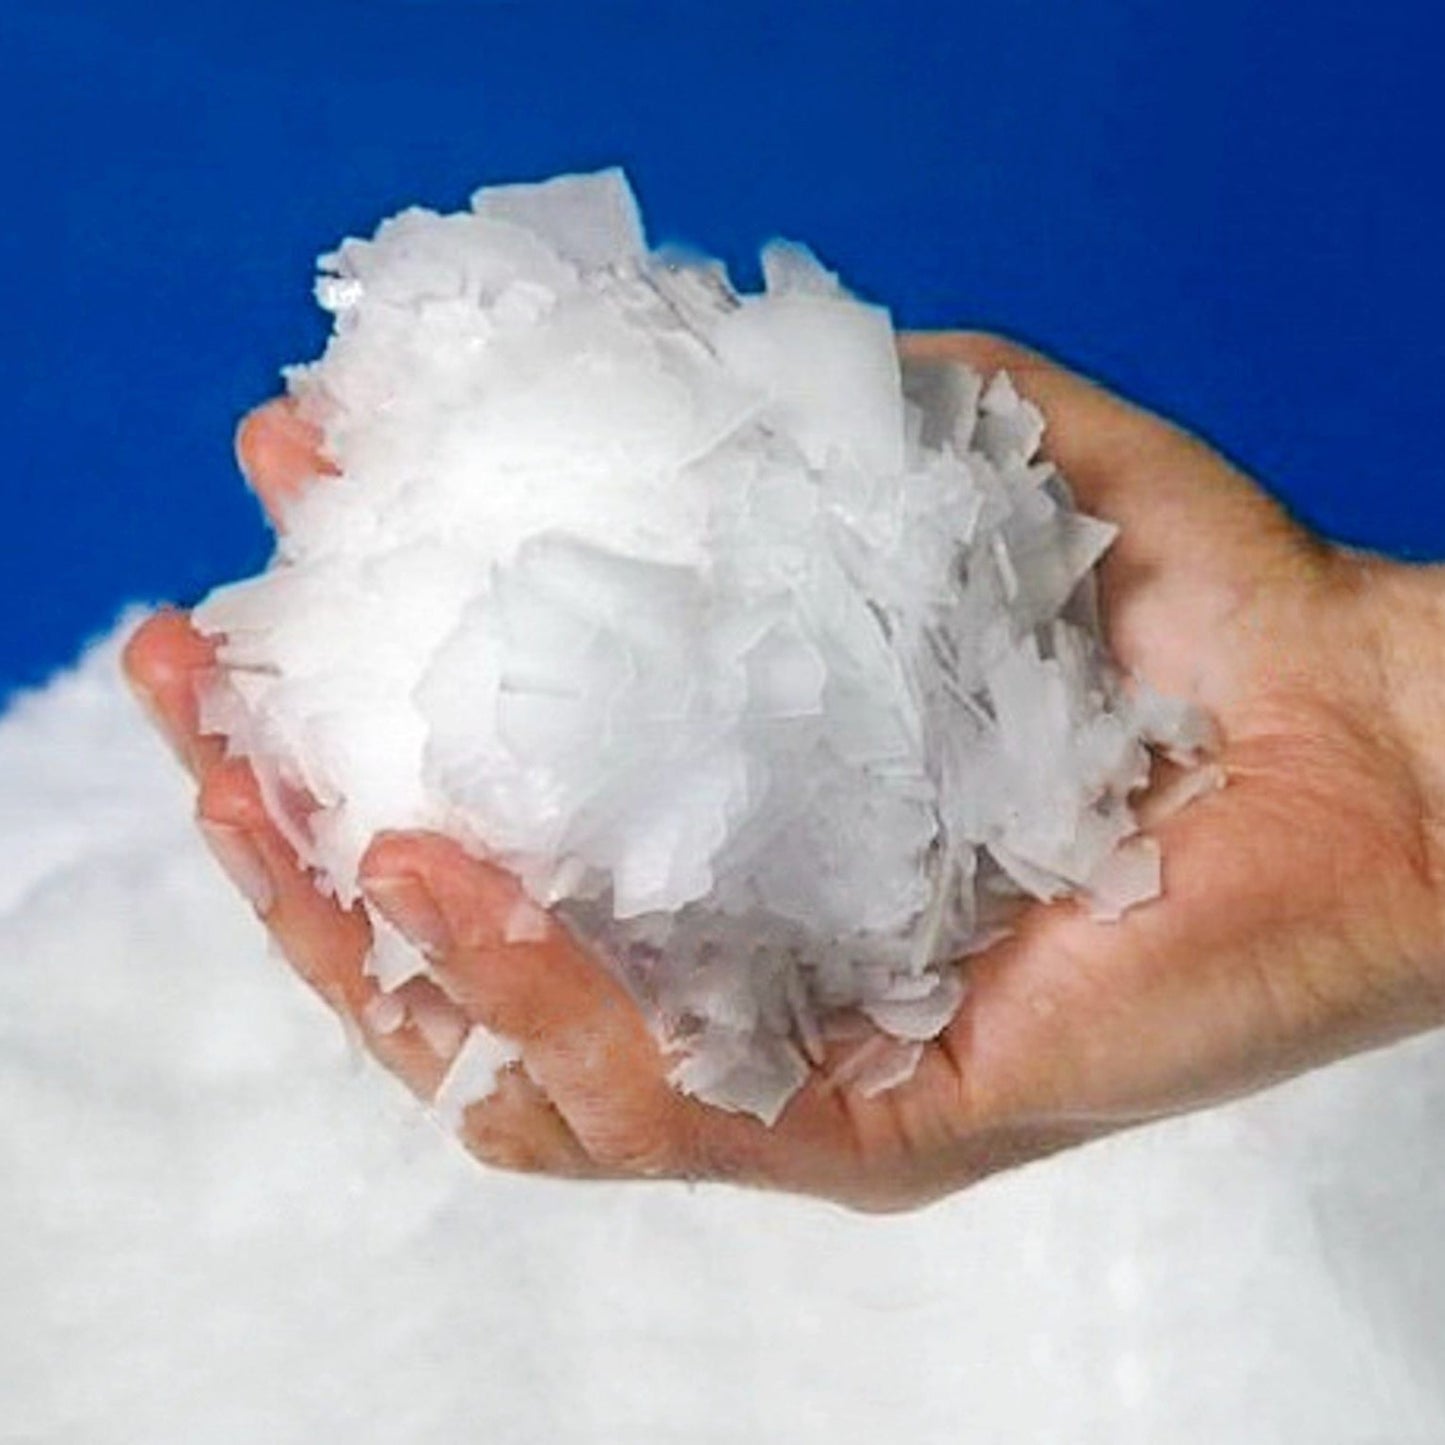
(238,855)
(408,905)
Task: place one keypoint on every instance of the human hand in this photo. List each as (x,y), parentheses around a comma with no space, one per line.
(1301,918)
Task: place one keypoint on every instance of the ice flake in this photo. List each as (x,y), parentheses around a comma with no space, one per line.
(1132,874)
(1180,728)
(438,1022)
(829,372)
(757,1078)
(526,923)
(592,220)
(1176,795)
(793,270)
(923,1015)
(393,958)
(471,1076)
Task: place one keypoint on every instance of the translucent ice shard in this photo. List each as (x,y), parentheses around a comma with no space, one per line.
(472,1075)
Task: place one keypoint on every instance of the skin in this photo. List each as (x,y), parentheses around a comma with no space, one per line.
(1303,916)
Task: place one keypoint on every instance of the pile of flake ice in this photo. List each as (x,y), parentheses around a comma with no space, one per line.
(771,665)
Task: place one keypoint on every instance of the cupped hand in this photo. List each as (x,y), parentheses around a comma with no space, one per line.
(1301,920)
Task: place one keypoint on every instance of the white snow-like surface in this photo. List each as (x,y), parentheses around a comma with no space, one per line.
(771,663)
(218,1227)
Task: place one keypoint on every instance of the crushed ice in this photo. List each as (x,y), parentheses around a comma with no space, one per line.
(770,664)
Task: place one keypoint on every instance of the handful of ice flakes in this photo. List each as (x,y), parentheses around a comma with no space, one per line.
(771,666)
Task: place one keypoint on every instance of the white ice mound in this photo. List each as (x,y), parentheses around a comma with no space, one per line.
(773,666)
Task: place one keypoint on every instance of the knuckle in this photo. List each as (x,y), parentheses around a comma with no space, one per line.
(227,793)
(642,1148)
(725,1156)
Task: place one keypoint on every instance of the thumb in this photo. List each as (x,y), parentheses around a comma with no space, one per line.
(1122,463)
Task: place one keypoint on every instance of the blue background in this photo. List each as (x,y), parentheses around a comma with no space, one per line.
(1232,210)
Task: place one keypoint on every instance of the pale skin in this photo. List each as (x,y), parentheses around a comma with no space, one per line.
(1303,917)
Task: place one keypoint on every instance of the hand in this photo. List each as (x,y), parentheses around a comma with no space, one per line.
(1301,918)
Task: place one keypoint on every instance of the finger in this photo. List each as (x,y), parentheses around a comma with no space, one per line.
(583,1040)
(279,455)
(163,662)
(523,976)
(326,944)
(518,1128)
(1194,534)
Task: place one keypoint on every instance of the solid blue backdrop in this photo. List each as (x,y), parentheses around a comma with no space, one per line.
(1231,210)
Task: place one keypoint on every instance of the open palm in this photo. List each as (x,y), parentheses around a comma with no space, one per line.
(1301,917)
